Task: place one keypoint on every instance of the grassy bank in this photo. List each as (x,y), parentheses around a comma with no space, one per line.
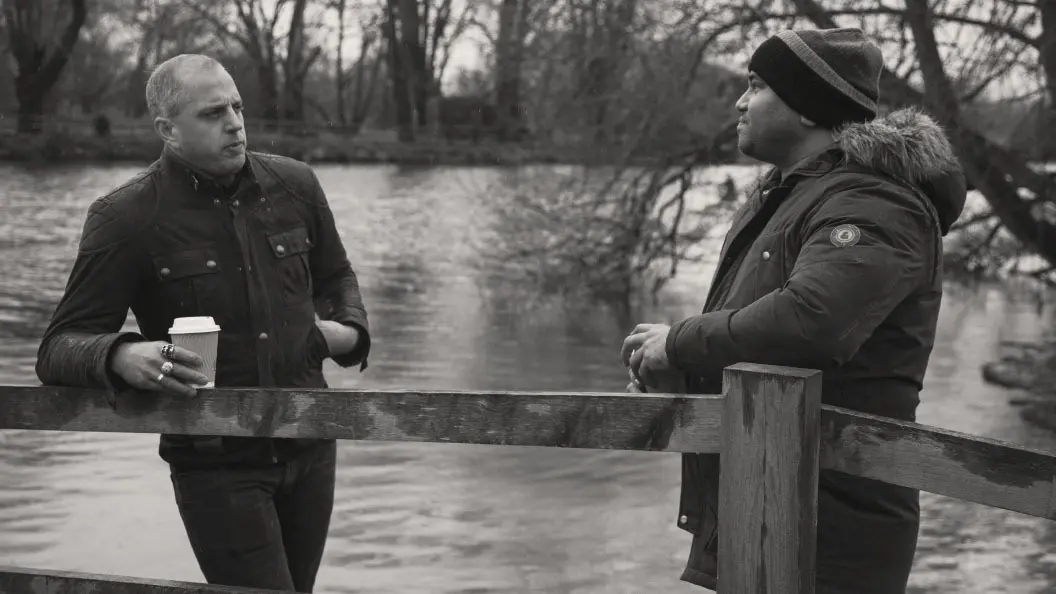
(1031,368)
(58,146)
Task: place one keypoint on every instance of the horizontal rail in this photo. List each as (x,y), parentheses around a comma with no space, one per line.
(19,580)
(981,470)
(650,422)
(959,465)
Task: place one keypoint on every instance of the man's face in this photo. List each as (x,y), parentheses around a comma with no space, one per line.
(208,129)
(767,129)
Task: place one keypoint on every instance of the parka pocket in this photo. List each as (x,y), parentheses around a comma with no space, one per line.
(770,273)
(190,281)
(290,250)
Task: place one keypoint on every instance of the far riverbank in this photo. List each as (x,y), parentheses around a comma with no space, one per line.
(65,146)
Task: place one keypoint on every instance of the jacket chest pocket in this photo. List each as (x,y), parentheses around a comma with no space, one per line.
(290,250)
(191,282)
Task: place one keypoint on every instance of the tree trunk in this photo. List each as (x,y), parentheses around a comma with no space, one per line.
(508,50)
(293,69)
(398,71)
(339,70)
(366,86)
(413,59)
(1046,118)
(269,89)
(135,101)
(38,72)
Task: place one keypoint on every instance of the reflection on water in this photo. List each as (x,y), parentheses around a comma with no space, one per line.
(456,518)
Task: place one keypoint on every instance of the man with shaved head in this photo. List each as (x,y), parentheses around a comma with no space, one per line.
(211,229)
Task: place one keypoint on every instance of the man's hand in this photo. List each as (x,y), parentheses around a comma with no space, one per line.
(340,338)
(645,352)
(635,386)
(140,365)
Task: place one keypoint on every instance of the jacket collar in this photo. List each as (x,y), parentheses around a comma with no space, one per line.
(201,188)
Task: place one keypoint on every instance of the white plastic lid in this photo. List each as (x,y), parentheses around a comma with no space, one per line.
(193,325)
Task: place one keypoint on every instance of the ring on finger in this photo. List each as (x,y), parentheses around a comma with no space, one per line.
(166,368)
(160,377)
(167,350)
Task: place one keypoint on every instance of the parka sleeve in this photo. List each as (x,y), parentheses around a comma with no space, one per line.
(865,250)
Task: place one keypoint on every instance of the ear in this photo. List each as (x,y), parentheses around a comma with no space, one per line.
(166,130)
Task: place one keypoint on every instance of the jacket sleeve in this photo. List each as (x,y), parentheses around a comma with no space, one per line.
(337,295)
(835,297)
(85,327)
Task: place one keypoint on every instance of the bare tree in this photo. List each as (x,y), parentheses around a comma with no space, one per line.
(164,28)
(282,60)
(612,232)
(996,172)
(509,57)
(419,36)
(352,112)
(401,72)
(40,60)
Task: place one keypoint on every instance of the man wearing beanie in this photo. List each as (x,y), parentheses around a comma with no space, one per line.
(834,263)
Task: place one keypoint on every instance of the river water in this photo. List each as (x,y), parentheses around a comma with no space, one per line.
(459,518)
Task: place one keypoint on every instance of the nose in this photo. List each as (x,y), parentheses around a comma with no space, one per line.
(742,103)
(232,120)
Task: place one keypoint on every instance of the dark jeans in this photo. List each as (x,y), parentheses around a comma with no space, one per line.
(260,527)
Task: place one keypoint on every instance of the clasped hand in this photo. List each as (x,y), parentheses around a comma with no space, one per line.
(644,352)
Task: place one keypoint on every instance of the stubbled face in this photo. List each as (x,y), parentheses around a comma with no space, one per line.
(208,130)
(767,129)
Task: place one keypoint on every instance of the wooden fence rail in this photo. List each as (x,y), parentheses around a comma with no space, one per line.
(769,426)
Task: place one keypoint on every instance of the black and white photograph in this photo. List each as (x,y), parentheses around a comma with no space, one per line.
(519,296)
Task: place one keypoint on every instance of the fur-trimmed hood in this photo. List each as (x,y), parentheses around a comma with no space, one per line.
(910,145)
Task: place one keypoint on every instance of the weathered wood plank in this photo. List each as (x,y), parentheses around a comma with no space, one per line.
(986,471)
(17,580)
(651,422)
(768,484)
(972,468)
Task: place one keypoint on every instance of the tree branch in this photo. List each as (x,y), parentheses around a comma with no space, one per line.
(982,217)
(53,67)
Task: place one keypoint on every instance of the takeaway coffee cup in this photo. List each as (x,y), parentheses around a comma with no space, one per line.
(198,334)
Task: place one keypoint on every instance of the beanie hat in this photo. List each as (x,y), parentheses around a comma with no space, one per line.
(830,76)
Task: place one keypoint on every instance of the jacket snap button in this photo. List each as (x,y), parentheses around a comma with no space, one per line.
(766,255)
(263,336)
(235,203)
(211,264)
(682,519)
(279,249)
(165,271)
(216,201)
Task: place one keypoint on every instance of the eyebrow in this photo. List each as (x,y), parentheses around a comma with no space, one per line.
(218,106)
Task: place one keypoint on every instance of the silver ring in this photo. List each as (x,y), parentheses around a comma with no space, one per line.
(160,377)
(166,350)
(166,368)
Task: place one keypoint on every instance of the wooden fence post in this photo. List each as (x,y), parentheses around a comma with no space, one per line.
(768,486)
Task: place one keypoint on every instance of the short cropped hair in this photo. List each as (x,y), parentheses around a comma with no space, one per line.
(165,97)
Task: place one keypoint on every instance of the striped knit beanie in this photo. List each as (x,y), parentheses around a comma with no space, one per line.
(831,76)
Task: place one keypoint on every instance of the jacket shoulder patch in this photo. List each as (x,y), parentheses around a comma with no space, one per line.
(845,235)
